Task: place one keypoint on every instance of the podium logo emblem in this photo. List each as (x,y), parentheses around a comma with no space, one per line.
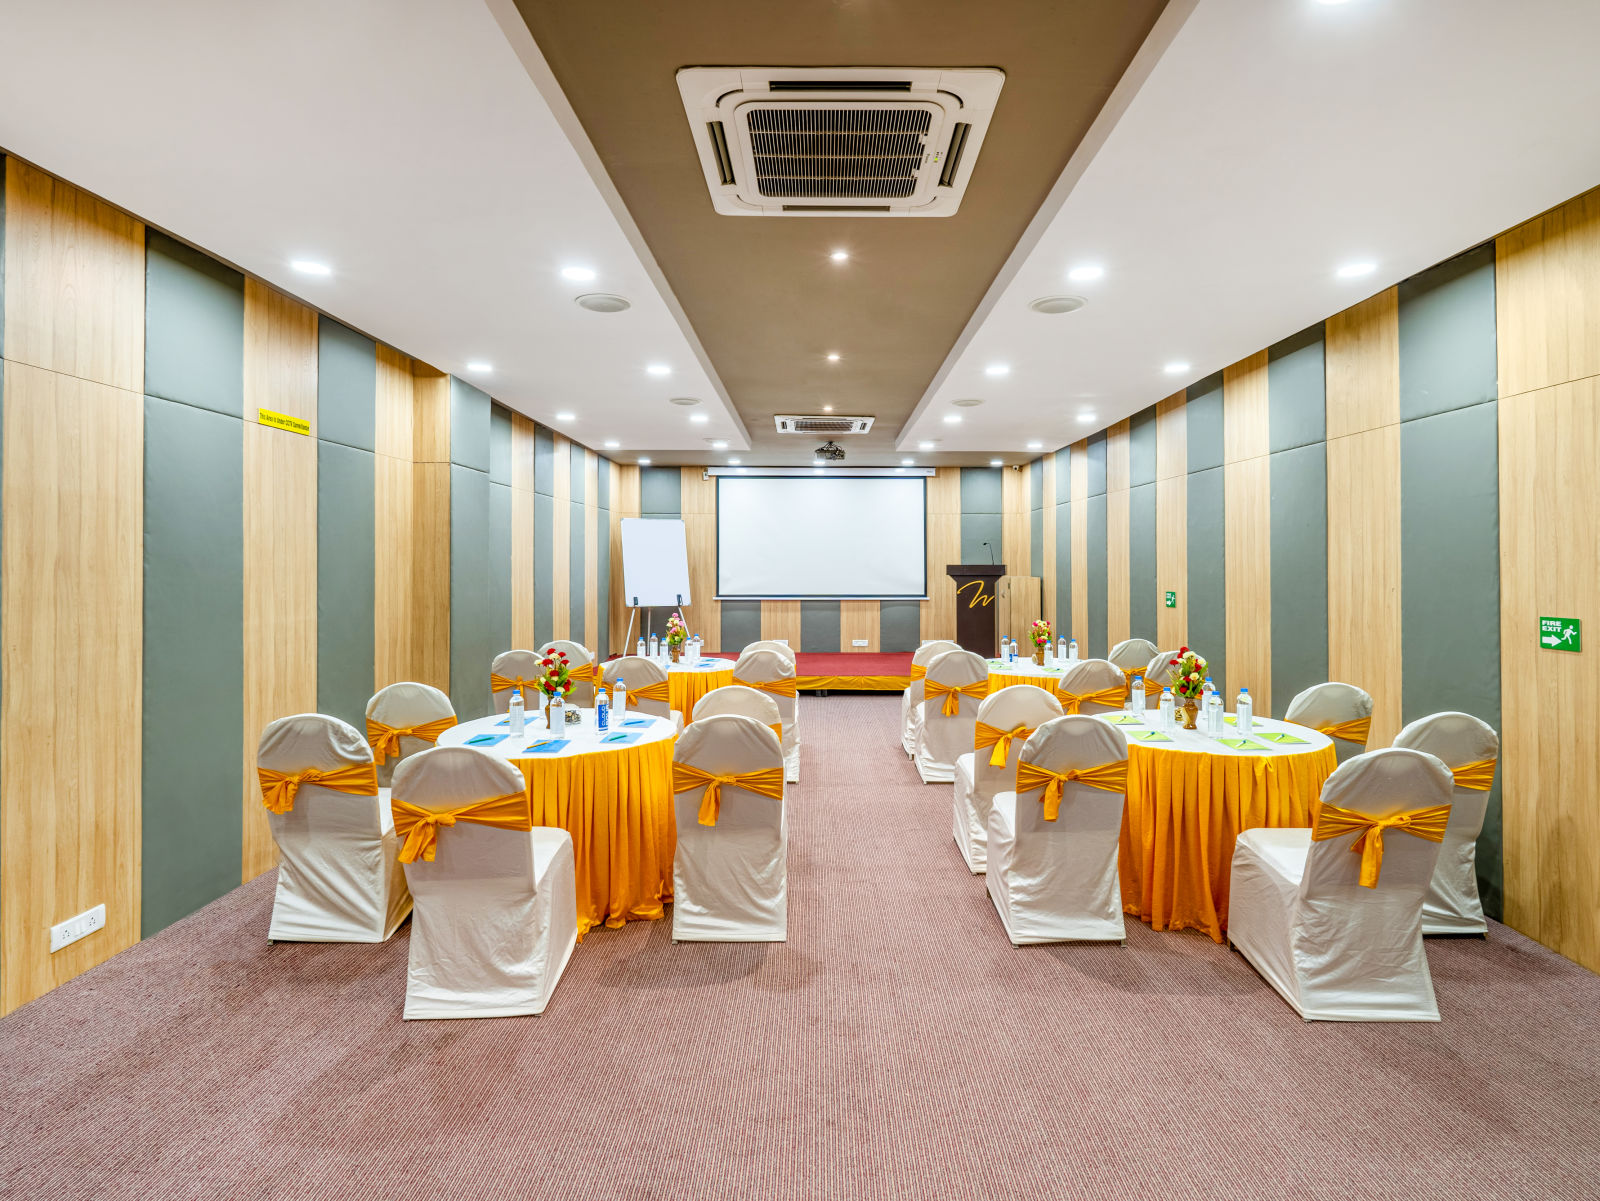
(980,597)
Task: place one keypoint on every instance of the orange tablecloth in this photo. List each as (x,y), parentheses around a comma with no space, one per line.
(999,680)
(1184,811)
(687,687)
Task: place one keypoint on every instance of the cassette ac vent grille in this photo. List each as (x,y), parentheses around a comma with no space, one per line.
(839,153)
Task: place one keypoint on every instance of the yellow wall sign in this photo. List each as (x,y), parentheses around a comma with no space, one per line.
(282,421)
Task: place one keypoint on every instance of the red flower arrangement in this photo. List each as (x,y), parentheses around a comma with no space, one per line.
(557,675)
(1189,675)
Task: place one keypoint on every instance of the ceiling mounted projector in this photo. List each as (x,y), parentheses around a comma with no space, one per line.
(831,451)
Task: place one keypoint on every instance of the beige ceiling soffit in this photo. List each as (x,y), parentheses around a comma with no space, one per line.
(1162,35)
(532,59)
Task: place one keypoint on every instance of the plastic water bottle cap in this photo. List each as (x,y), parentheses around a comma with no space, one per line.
(1244,691)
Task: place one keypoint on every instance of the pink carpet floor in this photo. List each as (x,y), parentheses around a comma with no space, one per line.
(895,1047)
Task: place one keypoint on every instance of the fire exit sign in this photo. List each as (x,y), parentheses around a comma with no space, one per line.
(1561,633)
(1172,600)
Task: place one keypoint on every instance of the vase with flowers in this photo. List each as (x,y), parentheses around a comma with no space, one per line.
(677,635)
(1188,683)
(1039,634)
(555,681)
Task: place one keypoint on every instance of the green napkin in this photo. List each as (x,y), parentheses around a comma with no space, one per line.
(1122,719)
(1241,744)
(1151,736)
(1283,738)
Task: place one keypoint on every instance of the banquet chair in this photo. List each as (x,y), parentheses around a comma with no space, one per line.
(730,873)
(1053,838)
(337,876)
(497,903)
(403,719)
(1159,673)
(771,644)
(1341,711)
(956,683)
(748,702)
(1133,656)
(1092,686)
(648,690)
(768,671)
(583,669)
(1006,719)
(911,698)
(1469,748)
(512,670)
(1339,934)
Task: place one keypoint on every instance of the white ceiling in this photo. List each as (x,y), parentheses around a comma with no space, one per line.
(400,141)
(1273,141)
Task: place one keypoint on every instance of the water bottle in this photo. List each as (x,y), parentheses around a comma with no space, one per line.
(1208,707)
(1168,709)
(641,646)
(1136,695)
(1061,650)
(619,698)
(1049,655)
(655,647)
(558,712)
(1072,651)
(515,712)
(602,718)
(1243,711)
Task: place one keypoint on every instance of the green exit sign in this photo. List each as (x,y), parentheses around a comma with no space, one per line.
(1172,600)
(1561,633)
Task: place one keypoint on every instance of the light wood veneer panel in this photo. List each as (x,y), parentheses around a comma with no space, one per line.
(781,619)
(858,619)
(1247,561)
(1172,560)
(1172,436)
(430,574)
(1049,567)
(1362,366)
(561,541)
(1080,546)
(1547,297)
(1244,411)
(698,505)
(624,503)
(522,534)
(1118,600)
(944,548)
(591,551)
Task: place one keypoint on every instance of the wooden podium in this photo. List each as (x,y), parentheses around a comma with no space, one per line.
(976,590)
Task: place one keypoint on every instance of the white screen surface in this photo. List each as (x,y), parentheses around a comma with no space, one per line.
(821,537)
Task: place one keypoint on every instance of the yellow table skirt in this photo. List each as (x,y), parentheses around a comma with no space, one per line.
(852,683)
(997,681)
(687,687)
(617,805)
(1183,814)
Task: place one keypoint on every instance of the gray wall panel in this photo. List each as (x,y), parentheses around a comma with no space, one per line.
(346,536)
(469,425)
(980,515)
(193,327)
(603,484)
(741,624)
(347,385)
(602,636)
(193,744)
(1447,336)
(499,636)
(1299,552)
(819,626)
(544,570)
(472,644)
(1203,423)
(1297,409)
(1450,585)
(1095,458)
(980,490)
(1207,599)
(899,625)
(499,444)
(1142,447)
(1097,646)
(1036,484)
(1036,542)
(660,492)
(1064,572)
(1143,602)
(544,461)
(577,584)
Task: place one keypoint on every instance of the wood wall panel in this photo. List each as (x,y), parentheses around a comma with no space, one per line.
(1048,568)
(72,584)
(591,549)
(1172,519)
(1118,451)
(1547,298)
(698,505)
(1247,562)
(781,619)
(394,558)
(395,417)
(1118,599)
(561,541)
(1080,546)
(430,575)
(1016,542)
(1244,409)
(1172,436)
(944,549)
(859,619)
(624,503)
(280,538)
(430,435)
(1362,366)
(522,534)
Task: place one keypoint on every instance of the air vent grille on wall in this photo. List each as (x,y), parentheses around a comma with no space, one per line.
(824,423)
(838,141)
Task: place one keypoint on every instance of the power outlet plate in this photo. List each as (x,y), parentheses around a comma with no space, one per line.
(861,642)
(64,934)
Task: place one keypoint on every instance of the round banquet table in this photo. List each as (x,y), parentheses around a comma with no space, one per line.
(615,800)
(688,681)
(1023,671)
(1188,799)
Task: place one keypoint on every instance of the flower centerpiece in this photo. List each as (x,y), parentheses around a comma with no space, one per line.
(1188,683)
(555,679)
(677,635)
(1039,634)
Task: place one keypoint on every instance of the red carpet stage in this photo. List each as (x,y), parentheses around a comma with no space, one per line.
(857,672)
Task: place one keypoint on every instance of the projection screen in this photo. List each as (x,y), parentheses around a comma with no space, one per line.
(794,537)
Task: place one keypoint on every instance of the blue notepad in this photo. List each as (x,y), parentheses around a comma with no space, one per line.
(552,746)
(637,721)
(612,739)
(487,739)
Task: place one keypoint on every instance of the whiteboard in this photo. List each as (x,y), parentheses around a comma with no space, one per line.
(655,561)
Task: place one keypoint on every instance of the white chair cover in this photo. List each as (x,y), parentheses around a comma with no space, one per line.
(577,655)
(942,740)
(1160,668)
(911,698)
(338,880)
(1132,652)
(518,665)
(1088,676)
(1330,704)
(771,644)
(736,698)
(763,666)
(730,881)
(497,910)
(978,780)
(1057,881)
(1452,905)
(1335,950)
(639,673)
(402,705)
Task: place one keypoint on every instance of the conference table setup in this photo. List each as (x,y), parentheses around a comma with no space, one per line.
(689,680)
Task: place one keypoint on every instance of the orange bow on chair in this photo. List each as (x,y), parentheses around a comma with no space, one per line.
(918,671)
(784,687)
(1108,777)
(1478,775)
(952,693)
(987,735)
(385,740)
(768,782)
(1070,701)
(1354,730)
(278,788)
(651,692)
(499,683)
(587,673)
(1332,821)
(420,827)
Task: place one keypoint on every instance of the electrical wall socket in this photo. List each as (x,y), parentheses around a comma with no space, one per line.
(861,642)
(64,934)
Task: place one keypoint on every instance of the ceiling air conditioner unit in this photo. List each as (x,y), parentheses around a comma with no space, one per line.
(838,141)
(824,423)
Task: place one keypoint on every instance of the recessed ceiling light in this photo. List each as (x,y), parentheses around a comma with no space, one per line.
(311,267)
(907,462)
(1036,446)
(840,256)
(578,275)
(1086,417)
(1331,2)
(924,445)
(997,463)
(1176,368)
(480,368)
(612,444)
(734,462)
(644,462)
(952,418)
(566,416)
(719,445)
(1086,273)
(1356,270)
(659,369)
(833,356)
(997,369)
(827,408)
(699,418)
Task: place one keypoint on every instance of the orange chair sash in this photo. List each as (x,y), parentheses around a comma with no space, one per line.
(1332,821)
(1478,775)
(1108,777)
(788,686)
(385,740)
(1354,730)
(1154,686)
(420,827)
(499,683)
(952,693)
(1070,701)
(768,782)
(278,788)
(651,692)
(918,670)
(986,735)
(586,673)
